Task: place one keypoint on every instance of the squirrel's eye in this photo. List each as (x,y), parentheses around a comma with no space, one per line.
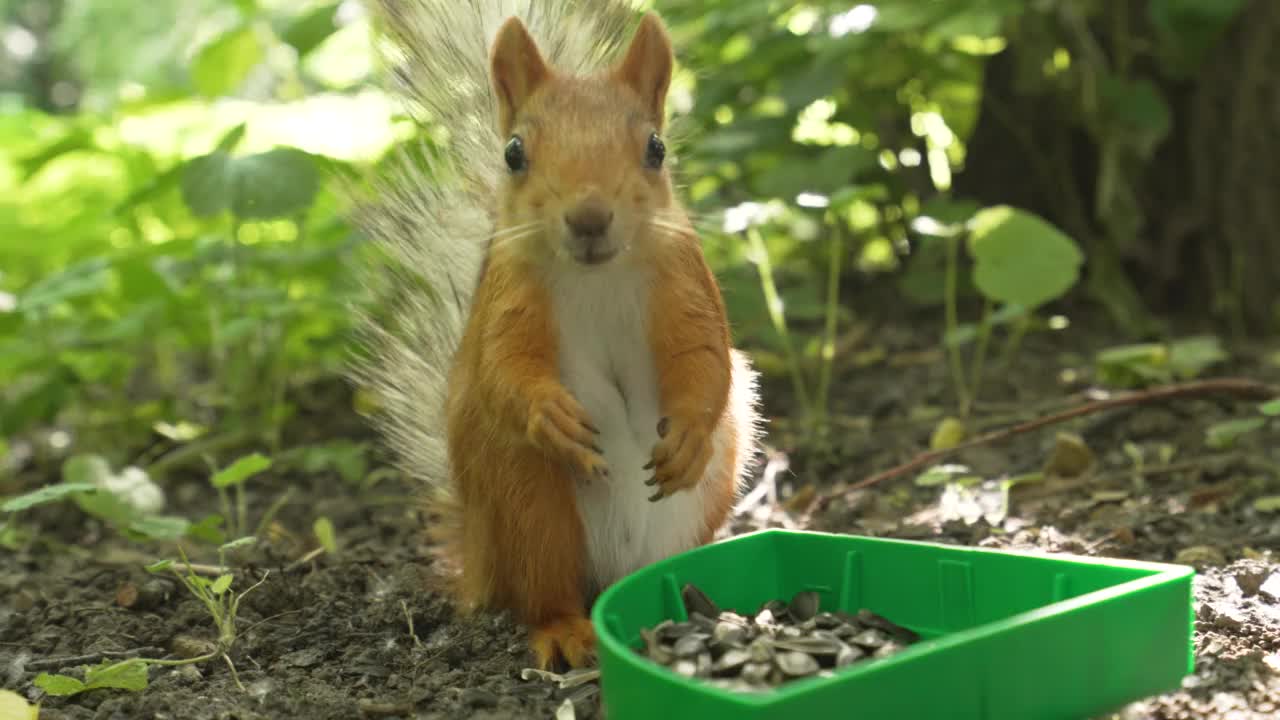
(654,152)
(514,154)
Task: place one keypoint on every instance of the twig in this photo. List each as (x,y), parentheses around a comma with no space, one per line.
(1041,491)
(1242,387)
(312,555)
(90,658)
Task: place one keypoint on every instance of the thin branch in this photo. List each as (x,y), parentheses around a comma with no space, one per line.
(1240,387)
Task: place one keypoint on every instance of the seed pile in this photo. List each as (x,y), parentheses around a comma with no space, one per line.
(781,642)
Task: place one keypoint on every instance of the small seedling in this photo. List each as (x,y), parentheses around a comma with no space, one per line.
(235,475)
(131,674)
(1021,263)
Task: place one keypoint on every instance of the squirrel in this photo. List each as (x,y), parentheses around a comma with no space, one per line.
(556,363)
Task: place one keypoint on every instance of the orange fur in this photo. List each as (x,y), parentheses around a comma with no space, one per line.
(516,436)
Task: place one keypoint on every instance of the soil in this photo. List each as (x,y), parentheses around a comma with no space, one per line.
(360,633)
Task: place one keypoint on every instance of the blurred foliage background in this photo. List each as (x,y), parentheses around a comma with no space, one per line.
(176,262)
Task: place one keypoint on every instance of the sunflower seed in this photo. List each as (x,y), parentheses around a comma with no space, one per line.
(781,642)
(870,639)
(848,655)
(730,662)
(729,633)
(796,664)
(690,645)
(755,672)
(696,601)
(804,605)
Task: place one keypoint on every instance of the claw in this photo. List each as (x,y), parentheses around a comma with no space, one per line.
(651,481)
(656,496)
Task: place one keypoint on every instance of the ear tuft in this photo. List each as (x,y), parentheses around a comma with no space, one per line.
(517,70)
(648,65)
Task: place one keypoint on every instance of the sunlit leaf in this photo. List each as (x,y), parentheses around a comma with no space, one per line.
(323,528)
(1191,356)
(241,470)
(15,707)
(239,543)
(58,685)
(308,31)
(1271,409)
(1020,258)
(1224,434)
(46,494)
(222,65)
(123,675)
(221,584)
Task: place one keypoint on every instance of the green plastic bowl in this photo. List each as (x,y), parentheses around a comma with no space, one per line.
(1005,635)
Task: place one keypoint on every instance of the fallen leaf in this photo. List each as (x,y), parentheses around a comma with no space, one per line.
(949,433)
(1200,555)
(1268,504)
(1070,457)
(13,705)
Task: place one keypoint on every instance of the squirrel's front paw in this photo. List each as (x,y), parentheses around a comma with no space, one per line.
(558,424)
(680,457)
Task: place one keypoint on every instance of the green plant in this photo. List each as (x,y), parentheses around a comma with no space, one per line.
(131,674)
(1020,263)
(235,476)
(1145,363)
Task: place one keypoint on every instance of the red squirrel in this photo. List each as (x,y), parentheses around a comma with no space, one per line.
(594,415)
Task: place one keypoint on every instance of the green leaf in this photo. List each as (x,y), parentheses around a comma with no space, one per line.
(241,470)
(87,277)
(208,529)
(941,474)
(222,65)
(1191,356)
(206,184)
(221,584)
(1020,258)
(1224,434)
(239,543)
(232,138)
(323,528)
(46,494)
(124,675)
(276,183)
(58,685)
(307,32)
(1270,409)
(1136,111)
(162,527)
(159,566)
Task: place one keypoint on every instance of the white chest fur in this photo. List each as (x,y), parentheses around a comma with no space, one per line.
(607,363)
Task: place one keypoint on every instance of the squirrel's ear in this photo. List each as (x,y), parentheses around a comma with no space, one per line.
(648,64)
(517,69)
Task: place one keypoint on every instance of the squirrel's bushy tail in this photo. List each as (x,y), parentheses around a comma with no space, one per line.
(430,217)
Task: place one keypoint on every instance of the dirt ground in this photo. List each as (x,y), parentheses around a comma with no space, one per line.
(358,634)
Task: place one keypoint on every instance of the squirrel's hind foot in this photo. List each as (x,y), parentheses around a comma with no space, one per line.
(571,640)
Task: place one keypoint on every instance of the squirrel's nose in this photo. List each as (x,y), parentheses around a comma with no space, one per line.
(589,219)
